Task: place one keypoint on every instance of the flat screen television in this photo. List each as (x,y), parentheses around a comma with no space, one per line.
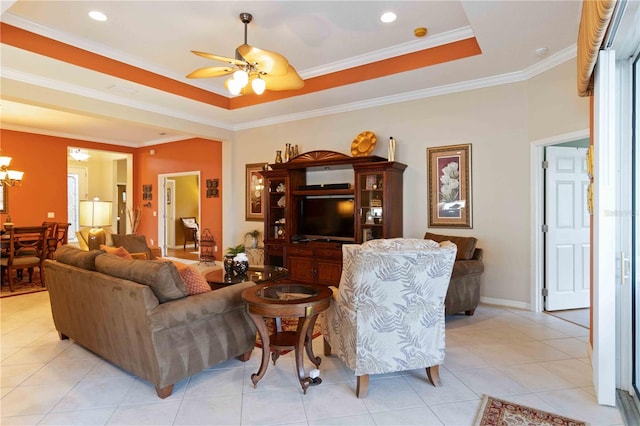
(326,218)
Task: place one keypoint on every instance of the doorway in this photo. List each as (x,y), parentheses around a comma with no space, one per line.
(170,223)
(107,175)
(538,211)
(181,198)
(566,228)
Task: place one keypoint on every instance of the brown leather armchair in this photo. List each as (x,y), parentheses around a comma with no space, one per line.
(463,294)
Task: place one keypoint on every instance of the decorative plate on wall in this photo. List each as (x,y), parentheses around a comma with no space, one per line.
(363,144)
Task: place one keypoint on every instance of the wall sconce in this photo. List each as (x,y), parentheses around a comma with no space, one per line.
(9,177)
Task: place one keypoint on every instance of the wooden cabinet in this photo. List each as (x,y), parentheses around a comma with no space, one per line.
(376,191)
(319,263)
(379,200)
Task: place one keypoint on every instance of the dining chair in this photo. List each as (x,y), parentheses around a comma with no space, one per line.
(191,231)
(50,237)
(388,313)
(25,248)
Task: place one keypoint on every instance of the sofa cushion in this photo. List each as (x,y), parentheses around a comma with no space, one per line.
(162,277)
(118,251)
(74,256)
(133,244)
(466,245)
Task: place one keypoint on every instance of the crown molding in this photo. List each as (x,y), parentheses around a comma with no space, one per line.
(513,77)
(102,50)
(25,129)
(391,52)
(48,83)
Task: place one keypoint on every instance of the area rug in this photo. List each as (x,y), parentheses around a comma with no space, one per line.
(498,412)
(22,286)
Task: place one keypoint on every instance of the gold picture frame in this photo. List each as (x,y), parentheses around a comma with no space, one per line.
(449,183)
(254,192)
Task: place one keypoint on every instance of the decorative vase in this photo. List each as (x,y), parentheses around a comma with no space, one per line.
(241,267)
(254,242)
(228,264)
(391,151)
(295,151)
(278,156)
(287,152)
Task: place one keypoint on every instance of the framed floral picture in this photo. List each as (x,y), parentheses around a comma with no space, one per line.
(449,178)
(254,195)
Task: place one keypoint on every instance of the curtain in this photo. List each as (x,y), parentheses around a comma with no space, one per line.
(594,21)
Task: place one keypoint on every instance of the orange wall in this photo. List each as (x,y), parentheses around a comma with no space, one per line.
(43,159)
(185,156)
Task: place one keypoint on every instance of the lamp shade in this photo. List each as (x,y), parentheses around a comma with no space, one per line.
(95,213)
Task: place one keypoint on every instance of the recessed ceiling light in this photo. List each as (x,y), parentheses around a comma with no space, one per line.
(388,17)
(98,16)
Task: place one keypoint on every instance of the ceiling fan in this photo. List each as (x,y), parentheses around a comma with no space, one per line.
(253,69)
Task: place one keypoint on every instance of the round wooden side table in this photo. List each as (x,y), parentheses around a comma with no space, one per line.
(302,301)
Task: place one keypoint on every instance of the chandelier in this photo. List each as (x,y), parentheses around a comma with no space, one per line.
(9,177)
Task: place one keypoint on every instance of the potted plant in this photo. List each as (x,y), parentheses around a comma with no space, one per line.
(254,237)
(229,258)
(234,251)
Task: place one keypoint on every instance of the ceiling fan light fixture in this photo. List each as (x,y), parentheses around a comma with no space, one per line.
(234,86)
(258,85)
(242,77)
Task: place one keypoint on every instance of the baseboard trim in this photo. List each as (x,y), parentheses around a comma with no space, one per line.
(505,302)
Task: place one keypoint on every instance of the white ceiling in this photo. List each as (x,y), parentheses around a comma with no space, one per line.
(44,95)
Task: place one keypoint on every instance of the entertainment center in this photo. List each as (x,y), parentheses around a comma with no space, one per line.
(305,224)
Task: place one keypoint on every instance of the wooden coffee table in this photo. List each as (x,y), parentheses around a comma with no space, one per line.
(258,274)
(302,301)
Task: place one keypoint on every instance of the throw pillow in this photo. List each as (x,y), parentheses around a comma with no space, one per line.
(195,282)
(73,256)
(466,245)
(118,251)
(132,243)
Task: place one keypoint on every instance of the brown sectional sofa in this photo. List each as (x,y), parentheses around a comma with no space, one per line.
(463,294)
(136,314)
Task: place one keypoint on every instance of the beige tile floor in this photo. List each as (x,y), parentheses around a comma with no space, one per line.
(525,357)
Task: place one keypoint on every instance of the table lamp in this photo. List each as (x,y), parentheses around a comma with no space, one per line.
(95,214)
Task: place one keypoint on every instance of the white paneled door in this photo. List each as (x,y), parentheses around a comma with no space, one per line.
(567,239)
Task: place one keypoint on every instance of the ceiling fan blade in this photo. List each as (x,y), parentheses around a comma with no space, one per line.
(264,60)
(289,81)
(219,58)
(211,72)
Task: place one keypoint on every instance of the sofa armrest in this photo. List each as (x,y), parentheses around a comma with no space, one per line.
(477,255)
(156,252)
(199,306)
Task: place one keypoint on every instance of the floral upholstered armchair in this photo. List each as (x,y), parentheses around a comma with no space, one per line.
(388,314)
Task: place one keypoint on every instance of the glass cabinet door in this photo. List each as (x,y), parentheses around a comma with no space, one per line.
(371,206)
(277,213)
